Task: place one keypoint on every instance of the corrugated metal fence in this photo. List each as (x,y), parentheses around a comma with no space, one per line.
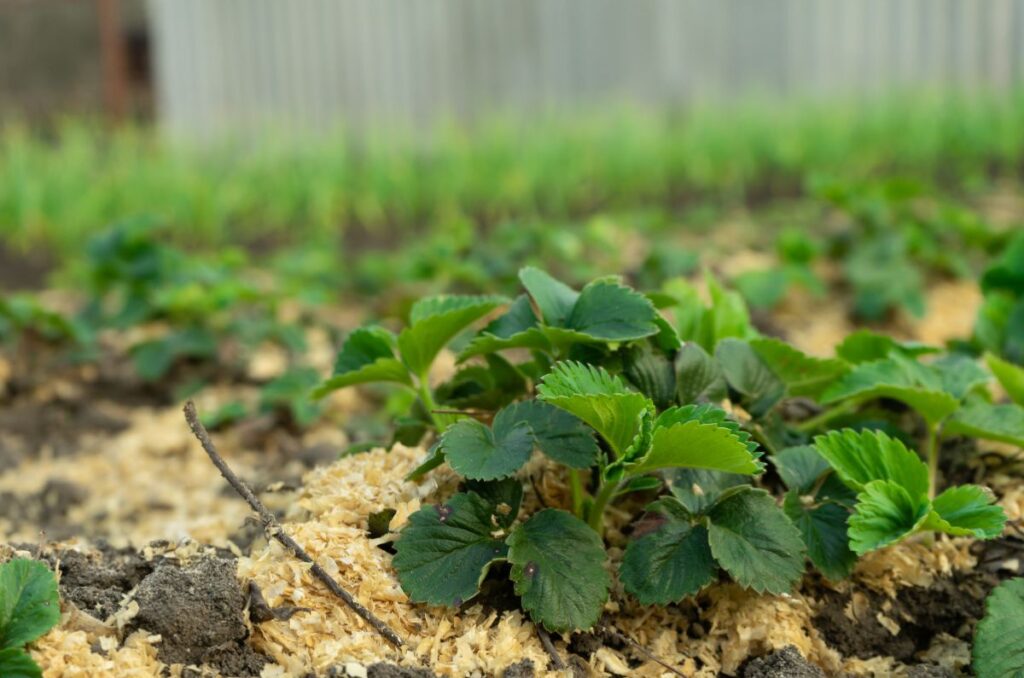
(236,65)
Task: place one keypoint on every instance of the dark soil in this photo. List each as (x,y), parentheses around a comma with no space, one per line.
(198,610)
(784,663)
(951,605)
(97,582)
(23,270)
(523,669)
(45,510)
(27,427)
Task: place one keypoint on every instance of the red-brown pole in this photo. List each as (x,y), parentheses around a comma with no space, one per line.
(112,59)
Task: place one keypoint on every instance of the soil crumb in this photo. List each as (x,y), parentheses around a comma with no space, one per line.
(523,669)
(865,624)
(97,581)
(198,611)
(785,663)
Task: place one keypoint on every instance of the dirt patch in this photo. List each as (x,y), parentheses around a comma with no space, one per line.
(523,669)
(864,624)
(54,427)
(46,510)
(198,611)
(24,270)
(785,663)
(97,581)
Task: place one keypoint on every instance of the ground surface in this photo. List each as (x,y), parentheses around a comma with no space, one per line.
(160,568)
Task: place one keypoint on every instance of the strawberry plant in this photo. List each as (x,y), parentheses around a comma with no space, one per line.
(625,391)
(895,494)
(950,392)
(603,367)
(29,607)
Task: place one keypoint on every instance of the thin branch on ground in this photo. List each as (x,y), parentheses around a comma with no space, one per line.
(623,638)
(537,492)
(274,529)
(545,639)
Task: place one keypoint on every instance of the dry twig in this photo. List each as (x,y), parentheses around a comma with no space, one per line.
(623,638)
(274,529)
(545,639)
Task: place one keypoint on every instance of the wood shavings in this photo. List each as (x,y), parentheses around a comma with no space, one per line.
(744,623)
(913,564)
(69,654)
(330,521)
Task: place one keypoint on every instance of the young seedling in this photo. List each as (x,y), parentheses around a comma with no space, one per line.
(950,393)
(895,498)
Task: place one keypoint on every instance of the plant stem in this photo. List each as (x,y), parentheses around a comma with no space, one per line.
(819,420)
(576,486)
(932,451)
(604,495)
(427,398)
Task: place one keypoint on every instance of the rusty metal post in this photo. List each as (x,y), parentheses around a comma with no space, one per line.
(112,59)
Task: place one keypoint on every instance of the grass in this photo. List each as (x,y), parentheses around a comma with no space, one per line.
(58,191)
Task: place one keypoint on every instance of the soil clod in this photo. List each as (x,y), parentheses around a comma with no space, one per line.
(784,663)
(523,669)
(197,610)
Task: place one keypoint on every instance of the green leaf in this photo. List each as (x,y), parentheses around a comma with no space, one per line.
(489,386)
(557,433)
(823,529)
(998,650)
(601,400)
(29,602)
(866,346)
(865,456)
(445,551)
(508,491)
(16,663)
(378,523)
(366,356)
(747,374)
(886,513)
(651,373)
(1010,377)
(698,489)
(435,457)
(435,321)
(754,541)
(679,441)
(763,289)
(967,510)
(481,453)
(612,312)
(900,379)
(728,315)
(554,299)
(517,328)
(800,467)
(668,564)
(802,374)
(959,375)
(980,419)
(698,376)
(558,570)
(154,358)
